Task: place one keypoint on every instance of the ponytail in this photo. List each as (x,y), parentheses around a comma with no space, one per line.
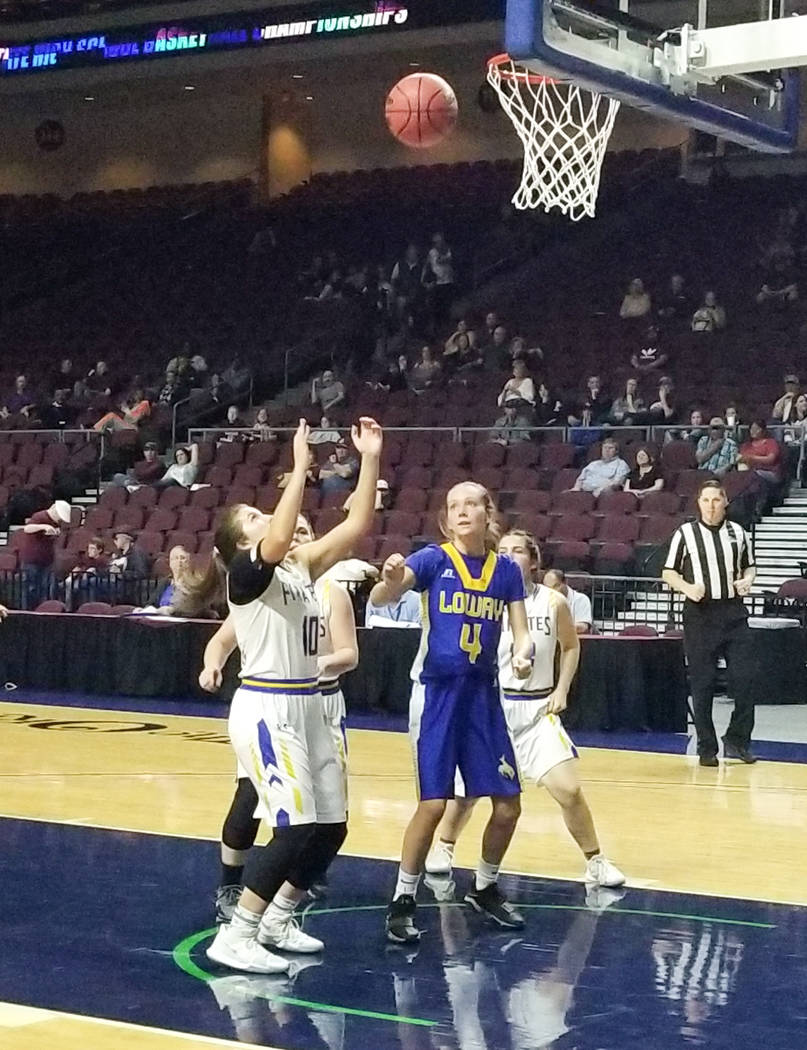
(201,590)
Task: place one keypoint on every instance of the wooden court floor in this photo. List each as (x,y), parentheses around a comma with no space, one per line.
(736,832)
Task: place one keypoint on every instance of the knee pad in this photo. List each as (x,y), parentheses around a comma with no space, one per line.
(240,824)
(318,855)
(268,868)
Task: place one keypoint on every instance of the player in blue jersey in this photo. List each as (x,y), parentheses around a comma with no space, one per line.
(455,716)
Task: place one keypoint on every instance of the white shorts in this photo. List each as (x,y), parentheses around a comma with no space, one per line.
(285,745)
(539,741)
(336,716)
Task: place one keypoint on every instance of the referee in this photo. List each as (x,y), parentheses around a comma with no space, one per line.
(711,563)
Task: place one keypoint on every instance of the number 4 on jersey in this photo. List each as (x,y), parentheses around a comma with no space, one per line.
(470,640)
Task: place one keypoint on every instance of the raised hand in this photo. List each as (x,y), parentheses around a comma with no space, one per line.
(392,572)
(367,437)
(300,444)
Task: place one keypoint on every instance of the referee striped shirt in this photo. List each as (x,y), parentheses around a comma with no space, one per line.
(714,555)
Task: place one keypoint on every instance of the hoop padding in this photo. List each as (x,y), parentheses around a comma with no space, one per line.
(564,129)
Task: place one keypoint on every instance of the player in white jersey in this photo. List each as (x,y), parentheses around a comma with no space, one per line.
(277,725)
(543,748)
(337,654)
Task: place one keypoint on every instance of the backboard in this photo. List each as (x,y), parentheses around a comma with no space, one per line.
(706,63)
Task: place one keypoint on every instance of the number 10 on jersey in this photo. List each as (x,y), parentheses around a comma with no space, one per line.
(311,635)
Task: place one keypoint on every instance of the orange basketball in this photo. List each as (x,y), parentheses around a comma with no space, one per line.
(421,110)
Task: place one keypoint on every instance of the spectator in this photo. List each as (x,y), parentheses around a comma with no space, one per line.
(406,284)
(184,470)
(237,376)
(198,372)
(512,427)
(625,409)
(311,475)
(519,390)
(393,379)
(172,390)
(710,315)
(438,278)
(731,417)
(403,613)
(81,584)
(636,303)
(37,551)
(781,286)
(692,433)
(715,452)
(64,378)
(426,372)
(99,381)
(664,408)
(327,392)
(485,336)
(783,410)
(332,289)
(167,591)
(675,303)
(261,428)
(595,406)
(452,344)
(645,476)
(235,426)
(146,471)
(58,415)
(128,567)
(650,355)
(549,411)
(519,351)
(20,401)
(324,434)
(579,603)
(468,358)
(762,454)
(133,410)
(797,420)
(603,474)
(341,470)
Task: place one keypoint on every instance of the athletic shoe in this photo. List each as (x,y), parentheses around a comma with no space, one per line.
(601,872)
(741,753)
(226,899)
(439,860)
(442,886)
(709,760)
(492,903)
(400,921)
(599,898)
(285,935)
(244,953)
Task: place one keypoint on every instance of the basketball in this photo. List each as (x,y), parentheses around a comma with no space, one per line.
(421,110)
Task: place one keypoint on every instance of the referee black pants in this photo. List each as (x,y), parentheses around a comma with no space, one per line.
(714,628)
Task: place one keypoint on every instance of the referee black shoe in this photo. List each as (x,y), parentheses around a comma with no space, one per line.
(400,921)
(741,753)
(709,760)
(491,902)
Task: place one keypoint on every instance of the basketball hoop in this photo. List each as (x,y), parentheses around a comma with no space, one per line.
(564,129)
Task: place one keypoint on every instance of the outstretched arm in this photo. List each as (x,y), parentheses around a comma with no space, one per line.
(342,626)
(280,532)
(396,579)
(217,652)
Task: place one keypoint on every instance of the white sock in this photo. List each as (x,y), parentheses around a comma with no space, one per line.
(486,874)
(407,885)
(281,907)
(244,922)
(448,847)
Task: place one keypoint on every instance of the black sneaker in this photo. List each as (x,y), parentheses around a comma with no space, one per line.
(490,901)
(400,921)
(709,760)
(742,753)
(226,899)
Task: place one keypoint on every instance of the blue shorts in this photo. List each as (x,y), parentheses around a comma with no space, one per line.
(458,723)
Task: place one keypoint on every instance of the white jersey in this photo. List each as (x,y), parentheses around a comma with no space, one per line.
(542,605)
(324,587)
(279,632)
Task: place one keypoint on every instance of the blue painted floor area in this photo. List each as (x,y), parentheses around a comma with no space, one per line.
(114,925)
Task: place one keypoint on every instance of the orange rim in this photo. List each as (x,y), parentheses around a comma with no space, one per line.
(523,75)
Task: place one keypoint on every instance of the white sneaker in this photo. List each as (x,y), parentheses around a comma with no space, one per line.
(601,872)
(286,935)
(600,898)
(244,953)
(440,860)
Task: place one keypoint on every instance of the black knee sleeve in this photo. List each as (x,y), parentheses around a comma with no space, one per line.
(317,856)
(240,825)
(268,868)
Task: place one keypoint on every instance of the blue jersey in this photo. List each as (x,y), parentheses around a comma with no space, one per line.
(462,605)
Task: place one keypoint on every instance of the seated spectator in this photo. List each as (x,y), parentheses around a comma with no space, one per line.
(715,452)
(327,391)
(81,583)
(462,357)
(650,356)
(636,303)
(663,409)
(407,290)
(692,433)
(595,407)
(519,351)
(783,410)
(781,284)
(496,353)
(324,434)
(731,417)
(198,374)
(311,474)
(133,410)
(579,603)
(403,613)
(382,497)
(237,376)
(645,476)
(512,427)
(797,420)
(426,372)
(549,410)
(485,334)
(519,390)
(333,287)
(625,409)
(21,400)
(710,315)
(173,390)
(64,378)
(235,426)
(762,454)
(167,592)
(184,470)
(127,567)
(99,381)
(146,471)
(340,472)
(261,428)
(438,278)
(58,415)
(603,474)
(675,303)
(452,343)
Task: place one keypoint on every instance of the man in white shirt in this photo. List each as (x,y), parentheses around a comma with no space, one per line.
(603,474)
(579,603)
(403,613)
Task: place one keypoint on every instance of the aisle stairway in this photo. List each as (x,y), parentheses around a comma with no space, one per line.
(780,542)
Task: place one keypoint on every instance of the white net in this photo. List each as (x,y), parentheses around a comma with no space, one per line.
(564,129)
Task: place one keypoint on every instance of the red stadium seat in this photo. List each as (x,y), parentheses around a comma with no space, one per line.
(573,527)
(618,528)
(248,475)
(8,561)
(489,455)
(570,555)
(678,455)
(194,519)
(660,503)
(131,517)
(162,520)
(150,543)
(99,518)
(402,522)
(240,494)
(229,454)
(614,559)
(388,545)
(523,454)
(658,528)
(448,477)
(219,477)
(52,605)
(173,497)
(572,503)
(415,478)
(639,630)
(412,499)
(182,538)
(450,454)
(113,497)
(564,479)
(532,502)
(617,502)
(95,609)
(261,454)
(205,499)
(145,496)
(557,457)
